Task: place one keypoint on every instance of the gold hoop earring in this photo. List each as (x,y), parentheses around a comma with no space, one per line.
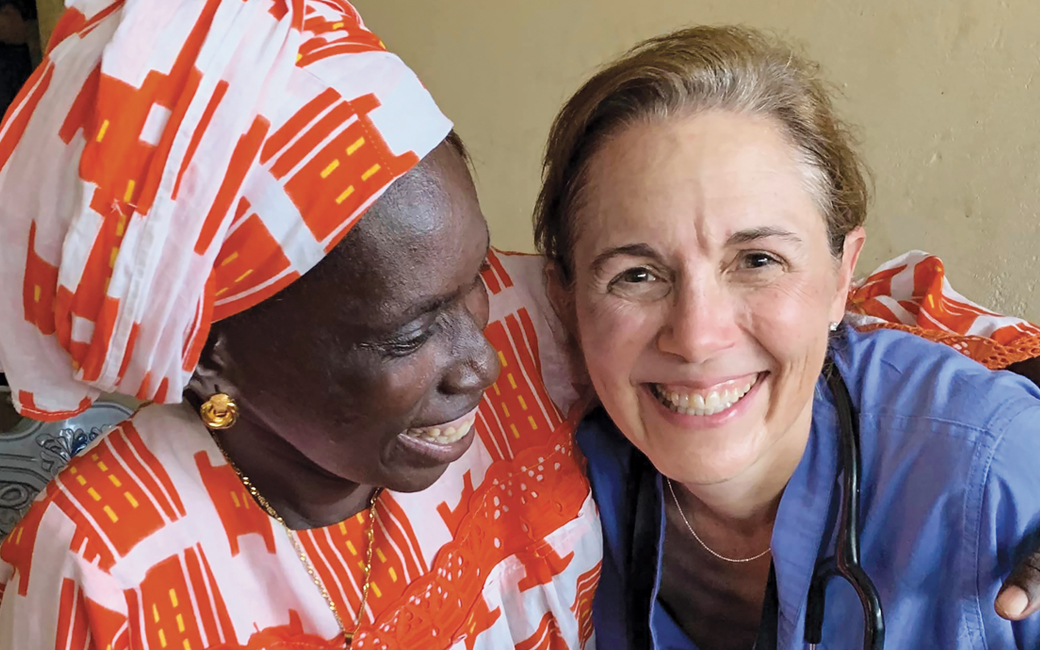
(219,412)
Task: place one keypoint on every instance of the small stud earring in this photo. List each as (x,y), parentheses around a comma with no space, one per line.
(834,327)
(219,412)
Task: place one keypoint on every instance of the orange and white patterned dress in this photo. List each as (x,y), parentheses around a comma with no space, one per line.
(188,159)
(150,541)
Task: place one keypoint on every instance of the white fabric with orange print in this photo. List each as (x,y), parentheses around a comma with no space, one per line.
(911,292)
(188,159)
(150,541)
(173,163)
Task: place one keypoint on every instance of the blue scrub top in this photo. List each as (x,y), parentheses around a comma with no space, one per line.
(950,500)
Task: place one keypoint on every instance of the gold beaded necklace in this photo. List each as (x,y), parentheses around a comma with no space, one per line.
(301,553)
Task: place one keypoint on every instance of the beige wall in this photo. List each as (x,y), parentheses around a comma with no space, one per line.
(946,92)
(48,10)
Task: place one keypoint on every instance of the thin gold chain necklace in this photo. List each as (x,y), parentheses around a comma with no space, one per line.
(732,560)
(302,554)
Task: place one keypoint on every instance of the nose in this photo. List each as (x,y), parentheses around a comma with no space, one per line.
(474,370)
(476,364)
(702,322)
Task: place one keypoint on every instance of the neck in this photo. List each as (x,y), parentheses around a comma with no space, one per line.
(302,493)
(747,504)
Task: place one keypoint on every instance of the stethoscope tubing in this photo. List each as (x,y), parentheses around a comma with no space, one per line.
(845,563)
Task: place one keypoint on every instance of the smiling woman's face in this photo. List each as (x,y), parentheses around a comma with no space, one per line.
(371,365)
(704,287)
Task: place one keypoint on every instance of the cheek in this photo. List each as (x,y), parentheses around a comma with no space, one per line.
(790,320)
(401,387)
(381,395)
(613,334)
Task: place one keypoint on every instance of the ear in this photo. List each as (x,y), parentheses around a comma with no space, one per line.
(846,271)
(561,297)
(213,371)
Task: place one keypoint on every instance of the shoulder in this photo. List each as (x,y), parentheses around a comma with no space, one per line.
(615,469)
(953,445)
(923,400)
(604,447)
(123,489)
(132,477)
(522,319)
(896,376)
(966,431)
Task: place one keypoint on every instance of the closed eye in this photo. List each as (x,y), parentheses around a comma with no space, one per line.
(404,346)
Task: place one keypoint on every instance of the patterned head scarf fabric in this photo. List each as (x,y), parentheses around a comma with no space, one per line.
(174,162)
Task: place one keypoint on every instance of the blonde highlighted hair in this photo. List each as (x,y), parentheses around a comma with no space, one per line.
(685,72)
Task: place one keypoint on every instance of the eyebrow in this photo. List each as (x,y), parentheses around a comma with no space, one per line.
(427,306)
(755,234)
(646,250)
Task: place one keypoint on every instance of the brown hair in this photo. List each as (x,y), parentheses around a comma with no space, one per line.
(691,70)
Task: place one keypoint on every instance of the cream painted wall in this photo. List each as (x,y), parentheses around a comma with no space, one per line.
(944,92)
(49,11)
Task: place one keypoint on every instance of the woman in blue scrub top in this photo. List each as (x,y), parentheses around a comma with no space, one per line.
(703,210)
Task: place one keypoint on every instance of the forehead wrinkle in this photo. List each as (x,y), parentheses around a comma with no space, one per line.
(611,197)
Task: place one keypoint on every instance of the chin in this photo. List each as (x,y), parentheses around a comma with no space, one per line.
(696,463)
(707,475)
(413,479)
(412,464)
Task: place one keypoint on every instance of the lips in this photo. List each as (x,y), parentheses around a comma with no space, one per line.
(439,444)
(447,433)
(703,402)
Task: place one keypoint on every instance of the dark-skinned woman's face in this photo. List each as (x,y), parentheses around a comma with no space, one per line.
(372,364)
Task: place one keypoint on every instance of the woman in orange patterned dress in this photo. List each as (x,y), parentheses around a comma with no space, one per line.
(193,159)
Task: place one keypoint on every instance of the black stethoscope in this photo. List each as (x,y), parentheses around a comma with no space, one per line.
(845,561)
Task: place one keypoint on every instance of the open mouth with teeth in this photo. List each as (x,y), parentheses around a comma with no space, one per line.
(444,434)
(703,402)
(439,444)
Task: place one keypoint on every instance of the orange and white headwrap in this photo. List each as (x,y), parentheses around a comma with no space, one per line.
(174,162)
